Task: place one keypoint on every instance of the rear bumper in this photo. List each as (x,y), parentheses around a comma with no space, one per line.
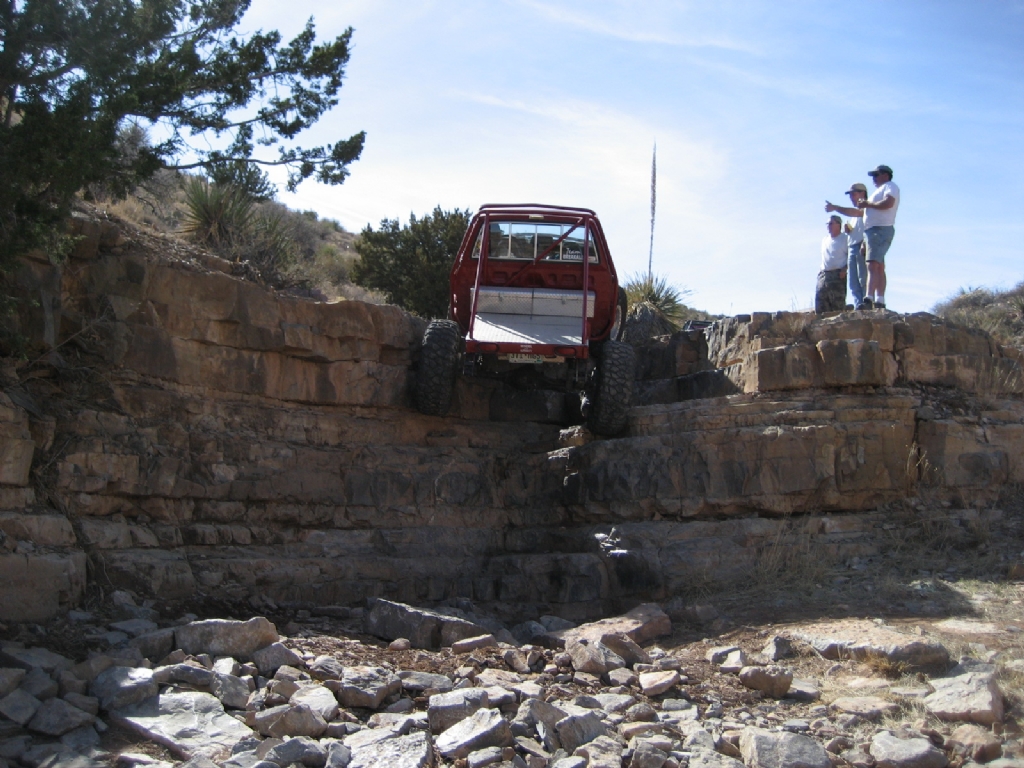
(576,351)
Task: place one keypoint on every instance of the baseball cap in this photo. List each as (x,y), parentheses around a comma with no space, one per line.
(858,187)
(835,218)
(881,169)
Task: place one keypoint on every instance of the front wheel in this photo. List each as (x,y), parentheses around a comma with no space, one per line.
(439,363)
(610,395)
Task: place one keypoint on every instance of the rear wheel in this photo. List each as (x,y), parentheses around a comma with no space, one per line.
(611,392)
(619,323)
(439,362)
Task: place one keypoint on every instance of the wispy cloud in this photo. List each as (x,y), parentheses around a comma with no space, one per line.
(598,26)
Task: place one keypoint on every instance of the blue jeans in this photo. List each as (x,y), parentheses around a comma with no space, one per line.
(878,240)
(858,269)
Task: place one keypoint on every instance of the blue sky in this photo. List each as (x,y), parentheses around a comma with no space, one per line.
(760,110)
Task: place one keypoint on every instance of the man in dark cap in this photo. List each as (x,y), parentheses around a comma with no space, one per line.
(879,228)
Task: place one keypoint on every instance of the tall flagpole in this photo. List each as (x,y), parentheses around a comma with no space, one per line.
(654,196)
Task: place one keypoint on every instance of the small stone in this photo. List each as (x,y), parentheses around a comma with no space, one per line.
(772,680)
(56,717)
(803,690)
(576,730)
(188,673)
(400,644)
(338,755)
(320,701)
(298,720)
(273,656)
(602,752)
(778,648)
(484,757)
(656,683)
(858,758)
(892,752)
(733,663)
(118,687)
(641,712)
(40,684)
(646,755)
(327,668)
(717,655)
(975,743)
(622,676)
(365,686)
(447,709)
(474,643)
(19,706)
(88,704)
(69,682)
(423,681)
(231,690)
(411,751)
(838,744)
(769,749)
(10,678)
(969,694)
(592,656)
(155,645)
(484,728)
(300,749)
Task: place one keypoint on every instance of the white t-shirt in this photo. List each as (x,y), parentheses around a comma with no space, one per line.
(834,251)
(876,218)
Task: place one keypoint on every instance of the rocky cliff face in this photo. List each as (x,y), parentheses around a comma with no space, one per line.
(245,444)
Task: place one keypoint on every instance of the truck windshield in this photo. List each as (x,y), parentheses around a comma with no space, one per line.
(525,240)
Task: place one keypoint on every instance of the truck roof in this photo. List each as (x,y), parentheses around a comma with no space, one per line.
(533,208)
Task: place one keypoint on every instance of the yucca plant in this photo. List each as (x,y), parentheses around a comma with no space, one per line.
(665,299)
(655,307)
(218,215)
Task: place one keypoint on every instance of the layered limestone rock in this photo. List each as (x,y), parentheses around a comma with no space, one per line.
(766,352)
(248,443)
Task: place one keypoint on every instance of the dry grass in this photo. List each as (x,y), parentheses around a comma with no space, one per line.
(1000,313)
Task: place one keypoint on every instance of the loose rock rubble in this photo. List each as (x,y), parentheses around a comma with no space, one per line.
(237,694)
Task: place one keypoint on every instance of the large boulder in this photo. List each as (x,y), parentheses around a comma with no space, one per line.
(224,637)
(423,628)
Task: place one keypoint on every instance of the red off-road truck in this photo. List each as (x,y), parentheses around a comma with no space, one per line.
(518,310)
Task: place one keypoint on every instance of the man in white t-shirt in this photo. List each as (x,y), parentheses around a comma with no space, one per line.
(830,293)
(879,228)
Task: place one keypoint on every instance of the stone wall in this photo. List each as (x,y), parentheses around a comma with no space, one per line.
(248,444)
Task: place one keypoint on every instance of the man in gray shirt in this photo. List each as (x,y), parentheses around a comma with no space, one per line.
(830,293)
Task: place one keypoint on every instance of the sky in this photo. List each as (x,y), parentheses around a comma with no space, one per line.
(760,111)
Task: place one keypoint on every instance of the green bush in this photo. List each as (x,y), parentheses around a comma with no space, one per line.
(410,264)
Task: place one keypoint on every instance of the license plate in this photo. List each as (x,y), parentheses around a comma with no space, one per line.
(518,358)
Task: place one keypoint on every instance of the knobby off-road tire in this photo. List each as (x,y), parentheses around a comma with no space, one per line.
(439,363)
(611,392)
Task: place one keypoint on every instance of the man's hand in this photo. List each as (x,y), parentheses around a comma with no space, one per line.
(829,207)
(863,204)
